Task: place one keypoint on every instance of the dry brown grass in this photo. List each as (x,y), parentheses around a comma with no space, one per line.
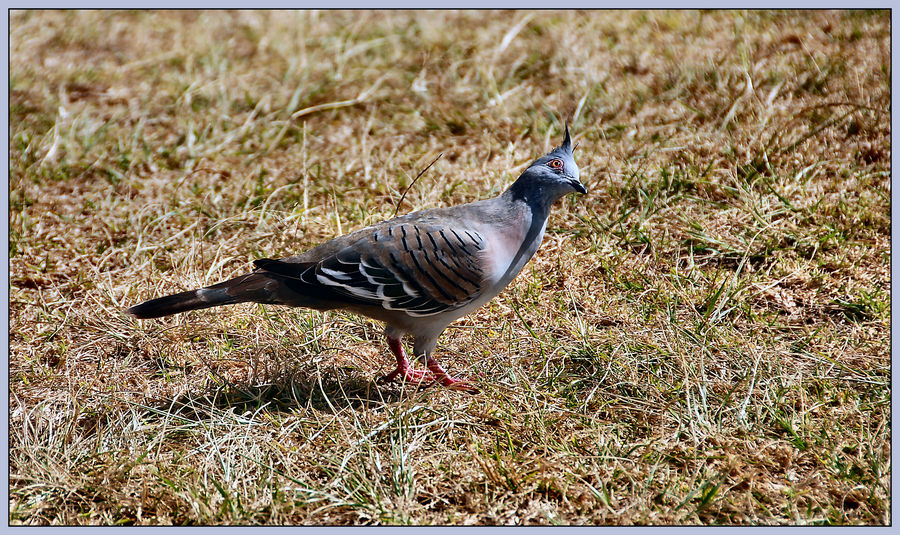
(703,339)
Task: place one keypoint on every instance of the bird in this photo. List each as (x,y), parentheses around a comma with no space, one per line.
(416,273)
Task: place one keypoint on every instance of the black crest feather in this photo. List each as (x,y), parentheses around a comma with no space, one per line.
(567,142)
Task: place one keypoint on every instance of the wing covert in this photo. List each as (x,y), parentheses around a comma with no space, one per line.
(415,268)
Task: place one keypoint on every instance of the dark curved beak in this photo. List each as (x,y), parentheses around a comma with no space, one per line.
(577,186)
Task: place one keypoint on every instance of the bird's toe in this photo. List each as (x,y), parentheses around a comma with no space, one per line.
(407,375)
(459,384)
(417,376)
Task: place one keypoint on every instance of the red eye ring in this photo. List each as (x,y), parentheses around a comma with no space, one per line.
(555,164)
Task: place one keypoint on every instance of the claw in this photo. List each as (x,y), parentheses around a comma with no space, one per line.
(403,369)
(434,373)
(408,375)
(460,384)
(448,380)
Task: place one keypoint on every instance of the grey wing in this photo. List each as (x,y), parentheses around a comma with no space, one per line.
(415,268)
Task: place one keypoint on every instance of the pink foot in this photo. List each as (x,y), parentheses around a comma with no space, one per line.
(461,385)
(409,375)
(417,377)
(403,369)
(448,380)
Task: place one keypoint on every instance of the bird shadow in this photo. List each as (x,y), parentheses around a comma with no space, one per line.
(301,387)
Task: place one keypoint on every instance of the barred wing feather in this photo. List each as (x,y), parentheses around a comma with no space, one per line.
(416,268)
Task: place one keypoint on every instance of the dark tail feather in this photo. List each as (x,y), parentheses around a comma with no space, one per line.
(250,287)
(171,304)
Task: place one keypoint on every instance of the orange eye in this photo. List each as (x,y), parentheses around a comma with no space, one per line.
(555,164)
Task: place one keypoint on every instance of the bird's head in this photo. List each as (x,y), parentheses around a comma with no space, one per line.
(551,176)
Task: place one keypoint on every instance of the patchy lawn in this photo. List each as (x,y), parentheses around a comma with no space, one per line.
(702,339)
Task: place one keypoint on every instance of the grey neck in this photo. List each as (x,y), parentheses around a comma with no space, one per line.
(539,213)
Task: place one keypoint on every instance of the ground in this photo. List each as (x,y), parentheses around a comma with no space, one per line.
(703,338)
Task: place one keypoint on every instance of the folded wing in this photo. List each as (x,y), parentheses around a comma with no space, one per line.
(420,269)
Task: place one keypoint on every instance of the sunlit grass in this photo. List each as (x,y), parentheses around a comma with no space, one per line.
(702,339)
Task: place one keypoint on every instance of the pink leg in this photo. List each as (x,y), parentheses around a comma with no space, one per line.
(407,372)
(448,380)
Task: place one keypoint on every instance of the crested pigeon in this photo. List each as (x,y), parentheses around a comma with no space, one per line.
(417,273)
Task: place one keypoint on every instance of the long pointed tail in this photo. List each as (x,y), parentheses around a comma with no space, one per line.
(250,287)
